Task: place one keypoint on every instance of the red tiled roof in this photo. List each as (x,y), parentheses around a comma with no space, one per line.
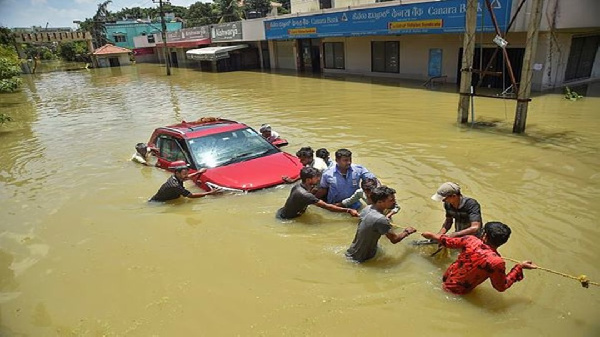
(110,49)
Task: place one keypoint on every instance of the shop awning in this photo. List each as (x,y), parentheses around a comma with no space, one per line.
(213,53)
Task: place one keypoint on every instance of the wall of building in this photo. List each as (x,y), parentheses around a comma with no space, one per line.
(253,30)
(131,29)
(284,55)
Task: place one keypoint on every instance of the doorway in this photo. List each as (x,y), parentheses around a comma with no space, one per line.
(114,62)
(581,57)
(174,62)
(310,55)
(483,56)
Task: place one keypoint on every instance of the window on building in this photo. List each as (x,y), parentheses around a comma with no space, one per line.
(324,4)
(151,38)
(334,55)
(385,56)
(119,38)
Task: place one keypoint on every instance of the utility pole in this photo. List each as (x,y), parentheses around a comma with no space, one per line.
(467,62)
(526,74)
(164,36)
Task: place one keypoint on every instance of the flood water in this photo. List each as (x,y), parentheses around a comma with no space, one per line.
(83,254)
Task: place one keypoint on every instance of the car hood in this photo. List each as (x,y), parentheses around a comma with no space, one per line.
(255,173)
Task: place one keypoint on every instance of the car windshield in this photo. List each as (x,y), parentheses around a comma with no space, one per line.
(229,147)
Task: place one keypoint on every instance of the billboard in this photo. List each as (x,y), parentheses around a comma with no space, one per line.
(420,18)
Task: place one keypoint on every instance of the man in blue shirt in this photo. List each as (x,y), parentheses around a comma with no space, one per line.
(343,179)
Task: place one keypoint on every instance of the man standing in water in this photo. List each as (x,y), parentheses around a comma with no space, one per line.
(479,260)
(374,224)
(173,188)
(463,211)
(342,179)
(300,197)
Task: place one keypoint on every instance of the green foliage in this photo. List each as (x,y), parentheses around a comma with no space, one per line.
(200,14)
(228,10)
(286,5)
(73,51)
(4,118)
(10,69)
(571,95)
(6,36)
(262,7)
(41,51)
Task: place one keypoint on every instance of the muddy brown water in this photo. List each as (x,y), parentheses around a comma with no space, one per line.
(83,254)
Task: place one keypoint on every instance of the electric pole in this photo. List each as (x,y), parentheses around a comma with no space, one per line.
(164,36)
(467,62)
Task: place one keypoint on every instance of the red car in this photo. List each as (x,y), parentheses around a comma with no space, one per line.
(237,157)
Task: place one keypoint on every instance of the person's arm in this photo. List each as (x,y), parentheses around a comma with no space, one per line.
(397,237)
(203,194)
(501,281)
(472,230)
(334,208)
(446,225)
(393,211)
(289,180)
(445,240)
(356,196)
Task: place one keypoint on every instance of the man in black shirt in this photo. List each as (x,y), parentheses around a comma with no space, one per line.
(463,211)
(300,197)
(173,188)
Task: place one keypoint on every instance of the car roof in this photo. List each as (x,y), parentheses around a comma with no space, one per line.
(204,126)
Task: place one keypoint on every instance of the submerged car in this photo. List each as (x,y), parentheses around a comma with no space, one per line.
(237,158)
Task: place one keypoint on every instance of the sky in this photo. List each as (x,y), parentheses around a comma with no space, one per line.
(62,13)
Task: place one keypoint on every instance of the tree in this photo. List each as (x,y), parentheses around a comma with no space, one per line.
(228,10)
(73,51)
(260,7)
(200,14)
(98,30)
(10,69)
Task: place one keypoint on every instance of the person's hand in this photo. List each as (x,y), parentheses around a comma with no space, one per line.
(389,215)
(528,265)
(409,230)
(428,235)
(214,191)
(202,170)
(286,179)
(353,212)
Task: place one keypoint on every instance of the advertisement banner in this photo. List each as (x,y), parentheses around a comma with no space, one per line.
(230,31)
(189,34)
(420,18)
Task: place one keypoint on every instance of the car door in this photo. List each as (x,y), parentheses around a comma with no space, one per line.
(169,150)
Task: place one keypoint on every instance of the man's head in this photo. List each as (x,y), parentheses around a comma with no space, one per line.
(141,148)
(446,191)
(310,175)
(181,169)
(305,155)
(383,197)
(496,233)
(323,154)
(343,158)
(265,130)
(368,185)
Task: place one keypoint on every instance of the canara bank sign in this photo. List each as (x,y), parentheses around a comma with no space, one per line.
(420,18)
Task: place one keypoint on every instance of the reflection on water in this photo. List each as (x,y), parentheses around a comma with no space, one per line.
(82,253)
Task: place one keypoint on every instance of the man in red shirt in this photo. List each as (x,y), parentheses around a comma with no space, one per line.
(479,260)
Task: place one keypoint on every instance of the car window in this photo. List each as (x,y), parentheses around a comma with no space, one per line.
(229,147)
(169,149)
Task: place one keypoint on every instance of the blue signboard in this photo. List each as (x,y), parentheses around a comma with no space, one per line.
(419,18)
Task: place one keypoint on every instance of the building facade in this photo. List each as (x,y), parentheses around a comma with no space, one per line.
(423,40)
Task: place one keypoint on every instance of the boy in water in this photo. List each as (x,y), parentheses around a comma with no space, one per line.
(479,260)
(143,155)
(300,197)
(364,194)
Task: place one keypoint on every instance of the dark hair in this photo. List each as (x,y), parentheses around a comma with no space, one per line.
(497,233)
(381,193)
(342,153)
(305,152)
(369,184)
(323,153)
(309,172)
(141,148)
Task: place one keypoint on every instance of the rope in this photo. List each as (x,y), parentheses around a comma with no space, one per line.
(585,282)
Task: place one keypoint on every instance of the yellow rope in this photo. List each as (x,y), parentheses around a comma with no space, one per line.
(585,282)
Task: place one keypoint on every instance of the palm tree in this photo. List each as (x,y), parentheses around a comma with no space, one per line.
(98,21)
(228,10)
